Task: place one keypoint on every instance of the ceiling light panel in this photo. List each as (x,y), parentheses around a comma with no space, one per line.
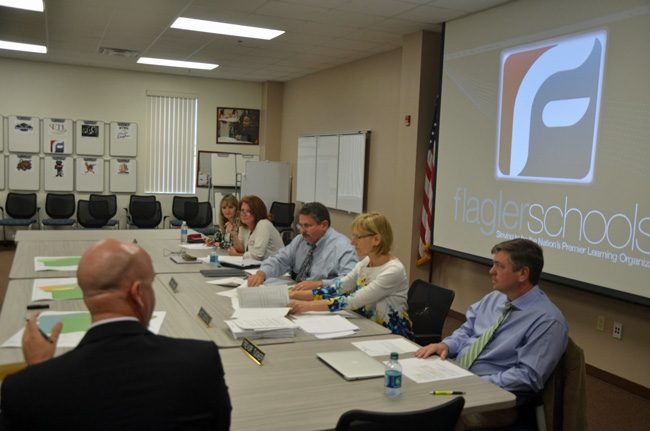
(225,28)
(177,63)
(35,5)
(27,47)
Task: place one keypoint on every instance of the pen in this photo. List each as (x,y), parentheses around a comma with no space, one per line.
(447,393)
(47,337)
(37,306)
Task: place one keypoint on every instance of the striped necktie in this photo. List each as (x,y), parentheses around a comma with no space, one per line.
(477,346)
(305,268)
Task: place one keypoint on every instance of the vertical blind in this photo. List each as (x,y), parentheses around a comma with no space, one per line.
(172,144)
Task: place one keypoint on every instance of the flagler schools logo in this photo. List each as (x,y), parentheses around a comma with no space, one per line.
(549,107)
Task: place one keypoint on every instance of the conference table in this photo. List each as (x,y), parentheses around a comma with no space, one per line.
(292,390)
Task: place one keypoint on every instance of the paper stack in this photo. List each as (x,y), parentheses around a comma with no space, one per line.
(326,326)
(270,327)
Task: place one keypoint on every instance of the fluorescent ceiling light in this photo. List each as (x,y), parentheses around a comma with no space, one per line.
(227,29)
(28,47)
(36,5)
(177,63)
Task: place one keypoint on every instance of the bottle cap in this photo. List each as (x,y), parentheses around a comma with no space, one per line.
(394,356)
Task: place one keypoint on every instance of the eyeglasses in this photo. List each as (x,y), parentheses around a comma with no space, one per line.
(245,212)
(355,237)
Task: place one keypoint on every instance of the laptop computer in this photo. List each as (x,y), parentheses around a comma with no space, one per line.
(353,364)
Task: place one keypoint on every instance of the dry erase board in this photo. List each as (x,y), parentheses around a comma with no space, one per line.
(327,162)
(351,173)
(89,137)
(306,179)
(24,172)
(123,177)
(270,181)
(24,133)
(57,136)
(224,169)
(89,174)
(124,139)
(58,173)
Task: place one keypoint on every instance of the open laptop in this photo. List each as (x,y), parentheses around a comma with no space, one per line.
(353,364)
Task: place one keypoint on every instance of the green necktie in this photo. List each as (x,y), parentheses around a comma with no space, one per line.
(477,347)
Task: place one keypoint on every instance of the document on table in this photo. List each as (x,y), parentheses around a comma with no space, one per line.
(264,296)
(385,347)
(432,369)
(196,247)
(260,313)
(44,289)
(228,282)
(324,324)
(56,263)
(240,262)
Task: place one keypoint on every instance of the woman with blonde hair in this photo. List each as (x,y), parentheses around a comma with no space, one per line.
(228,223)
(377,287)
(257,238)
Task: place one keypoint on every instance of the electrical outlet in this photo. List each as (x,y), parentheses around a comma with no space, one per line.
(617,332)
(600,323)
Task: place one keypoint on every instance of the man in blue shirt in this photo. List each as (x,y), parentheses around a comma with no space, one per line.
(315,258)
(529,341)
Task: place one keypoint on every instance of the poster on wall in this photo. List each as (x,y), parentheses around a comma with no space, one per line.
(24,172)
(23,134)
(89,174)
(238,126)
(58,173)
(123,176)
(124,139)
(89,136)
(57,136)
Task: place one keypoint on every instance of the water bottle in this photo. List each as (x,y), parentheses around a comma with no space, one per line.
(214,258)
(393,377)
(184,233)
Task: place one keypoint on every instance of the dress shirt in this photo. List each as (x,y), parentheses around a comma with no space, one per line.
(526,347)
(263,242)
(334,256)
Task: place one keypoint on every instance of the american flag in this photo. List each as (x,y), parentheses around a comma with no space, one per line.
(424,255)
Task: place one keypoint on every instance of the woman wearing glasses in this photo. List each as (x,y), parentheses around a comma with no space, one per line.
(377,287)
(258,238)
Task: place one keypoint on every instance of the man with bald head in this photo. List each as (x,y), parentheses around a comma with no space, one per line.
(120,376)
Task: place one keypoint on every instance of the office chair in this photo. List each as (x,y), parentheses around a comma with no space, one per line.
(439,418)
(111,201)
(428,307)
(199,217)
(179,210)
(143,212)
(282,216)
(93,214)
(60,208)
(21,209)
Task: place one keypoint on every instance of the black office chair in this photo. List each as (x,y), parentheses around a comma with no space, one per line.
(93,214)
(199,217)
(143,212)
(428,307)
(282,216)
(439,418)
(60,208)
(21,209)
(179,210)
(111,201)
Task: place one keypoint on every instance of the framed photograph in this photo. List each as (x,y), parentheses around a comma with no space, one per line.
(239,126)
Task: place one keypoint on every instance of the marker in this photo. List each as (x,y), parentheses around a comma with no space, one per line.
(37,306)
(447,393)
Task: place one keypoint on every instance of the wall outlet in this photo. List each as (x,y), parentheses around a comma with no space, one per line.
(617,332)
(600,323)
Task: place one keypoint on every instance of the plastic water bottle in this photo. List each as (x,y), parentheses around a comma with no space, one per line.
(184,233)
(214,257)
(393,377)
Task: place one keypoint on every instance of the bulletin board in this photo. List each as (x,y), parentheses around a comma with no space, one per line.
(24,133)
(89,136)
(57,136)
(58,173)
(24,170)
(89,174)
(123,175)
(124,139)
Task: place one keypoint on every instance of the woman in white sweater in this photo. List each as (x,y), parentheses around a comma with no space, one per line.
(257,238)
(377,287)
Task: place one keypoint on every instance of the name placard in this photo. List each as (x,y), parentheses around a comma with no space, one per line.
(173,285)
(253,352)
(205,316)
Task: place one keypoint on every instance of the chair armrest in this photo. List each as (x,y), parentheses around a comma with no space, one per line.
(3,212)
(163,222)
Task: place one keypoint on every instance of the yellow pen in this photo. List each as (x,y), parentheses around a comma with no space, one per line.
(447,393)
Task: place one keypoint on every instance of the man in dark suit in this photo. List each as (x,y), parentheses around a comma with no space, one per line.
(120,376)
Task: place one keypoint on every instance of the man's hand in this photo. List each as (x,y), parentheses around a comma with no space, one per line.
(36,348)
(440,349)
(307,285)
(257,279)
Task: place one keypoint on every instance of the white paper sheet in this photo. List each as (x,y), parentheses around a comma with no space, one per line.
(264,296)
(260,313)
(42,288)
(52,263)
(324,324)
(326,335)
(432,369)
(196,247)
(228,282)
(240,261)
(385,347)
(265,323)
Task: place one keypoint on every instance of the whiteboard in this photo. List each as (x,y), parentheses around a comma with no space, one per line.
(2,134)
(270,181)
(123,175)
(57,136)
(24,133)
(224,169)
(327,165)
(89,174)
(24,172)
(124,139)
(89,136)
(351,176)
(58,173)
(241,160)
(306,184)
